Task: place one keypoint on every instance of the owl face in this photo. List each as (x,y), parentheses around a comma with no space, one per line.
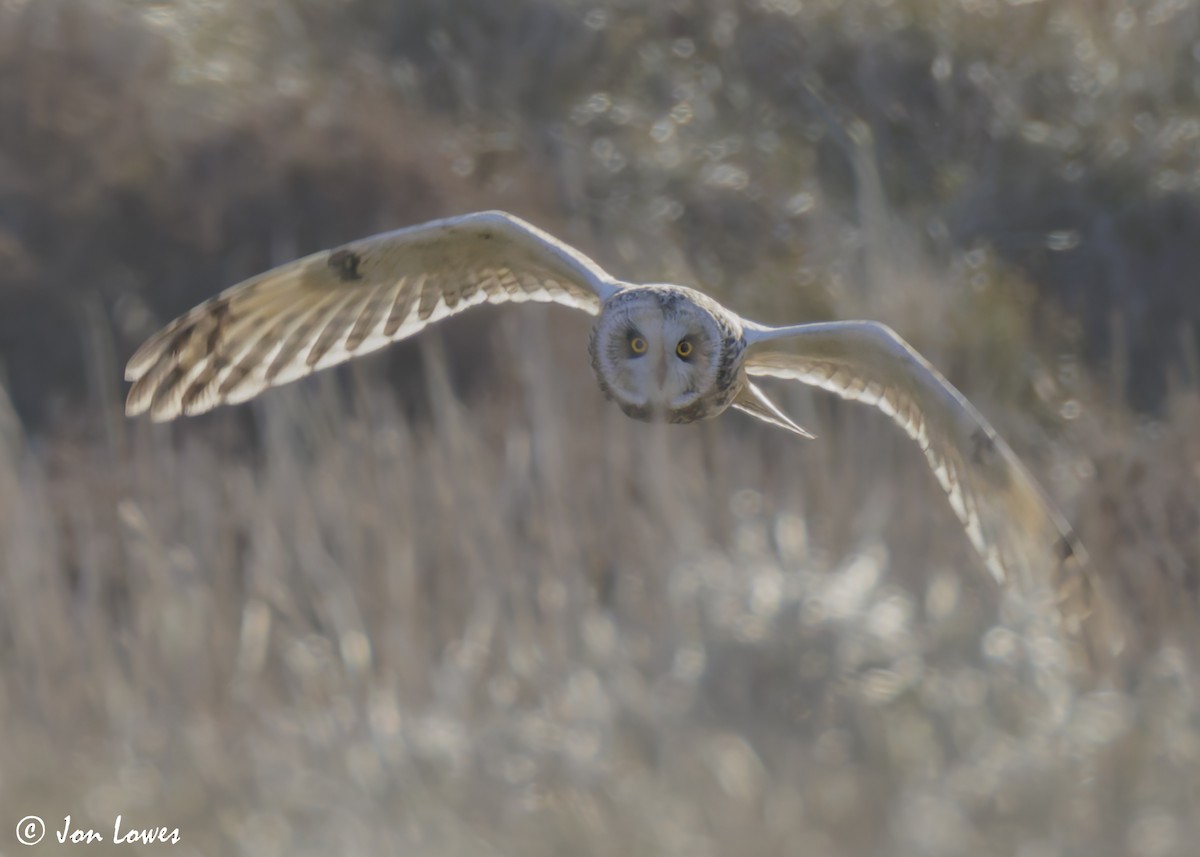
(659,354)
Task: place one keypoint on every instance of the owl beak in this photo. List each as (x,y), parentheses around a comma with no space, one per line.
(662,369)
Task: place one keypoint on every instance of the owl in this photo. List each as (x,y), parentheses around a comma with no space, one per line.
(661,352)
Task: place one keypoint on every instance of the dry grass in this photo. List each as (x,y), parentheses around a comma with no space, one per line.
(505,630)
(461,618)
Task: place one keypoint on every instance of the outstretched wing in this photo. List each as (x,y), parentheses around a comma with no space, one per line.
(1003,510)
(328,307)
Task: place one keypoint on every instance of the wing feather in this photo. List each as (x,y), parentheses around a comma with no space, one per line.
(1004,512)
(331,306)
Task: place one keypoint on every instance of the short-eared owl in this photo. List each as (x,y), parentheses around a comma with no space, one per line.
(661,352)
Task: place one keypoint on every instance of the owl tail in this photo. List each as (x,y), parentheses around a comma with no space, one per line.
(754,401)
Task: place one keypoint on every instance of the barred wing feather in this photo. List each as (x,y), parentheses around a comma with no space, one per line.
(337,304)
(1006,515)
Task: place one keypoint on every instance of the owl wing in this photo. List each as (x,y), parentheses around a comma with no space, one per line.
(1005,513)
(334,305)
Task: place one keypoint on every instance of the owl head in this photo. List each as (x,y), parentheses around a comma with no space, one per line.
(662,354)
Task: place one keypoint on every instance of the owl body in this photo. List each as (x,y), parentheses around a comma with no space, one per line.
(691,365)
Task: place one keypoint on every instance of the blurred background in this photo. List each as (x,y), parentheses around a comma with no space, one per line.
(447,601)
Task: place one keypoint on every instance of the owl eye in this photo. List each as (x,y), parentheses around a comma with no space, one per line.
(684,349)
(637,345)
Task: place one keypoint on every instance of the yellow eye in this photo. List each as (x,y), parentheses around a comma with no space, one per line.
(684,349)
(638,345)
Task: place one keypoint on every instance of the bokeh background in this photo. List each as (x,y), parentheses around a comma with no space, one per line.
(447,601)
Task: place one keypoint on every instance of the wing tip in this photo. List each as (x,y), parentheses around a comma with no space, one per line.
(144,358)
(136,400)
